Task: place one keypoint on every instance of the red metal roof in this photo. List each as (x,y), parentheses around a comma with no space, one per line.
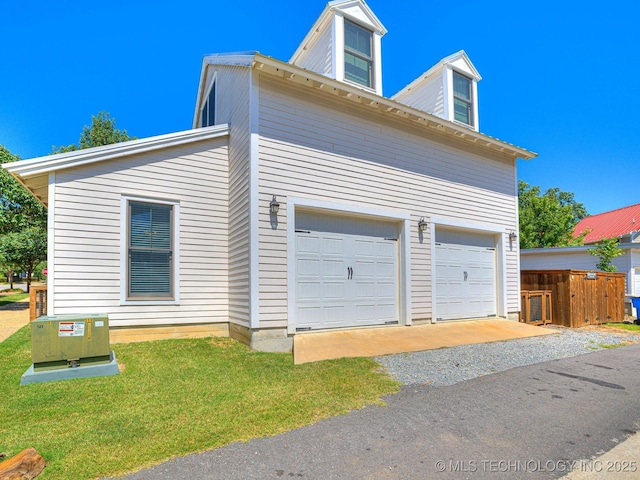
(609,224)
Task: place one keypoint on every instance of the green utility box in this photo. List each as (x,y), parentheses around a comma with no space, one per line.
(65,341)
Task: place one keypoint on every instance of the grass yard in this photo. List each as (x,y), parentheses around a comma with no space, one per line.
(7,298)
(171,398)
(624,326)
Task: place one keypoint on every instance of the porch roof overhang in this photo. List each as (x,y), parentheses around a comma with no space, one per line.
(34,173)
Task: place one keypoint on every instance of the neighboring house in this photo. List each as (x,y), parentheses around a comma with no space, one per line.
(302,199)
(623,223)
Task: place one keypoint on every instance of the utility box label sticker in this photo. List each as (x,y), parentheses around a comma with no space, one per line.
(71,329)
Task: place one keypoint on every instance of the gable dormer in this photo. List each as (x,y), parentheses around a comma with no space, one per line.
(448,90)
(344,44)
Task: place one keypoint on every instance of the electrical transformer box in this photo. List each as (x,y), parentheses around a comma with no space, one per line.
(69,341)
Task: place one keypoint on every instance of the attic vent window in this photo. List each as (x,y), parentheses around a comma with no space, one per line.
(358,57)
(462,99)
(209,108)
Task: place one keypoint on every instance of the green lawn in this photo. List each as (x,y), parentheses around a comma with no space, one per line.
(8,298)
(171,398)
(625,326)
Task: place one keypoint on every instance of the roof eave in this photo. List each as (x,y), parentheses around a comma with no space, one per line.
(28,171)
(366,97)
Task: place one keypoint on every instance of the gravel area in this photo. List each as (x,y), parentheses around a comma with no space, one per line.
(447,366)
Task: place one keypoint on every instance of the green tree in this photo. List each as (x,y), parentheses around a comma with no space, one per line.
(606,250)
(18,208)
(102,131)
(24,250)
(6,270)
(548,220)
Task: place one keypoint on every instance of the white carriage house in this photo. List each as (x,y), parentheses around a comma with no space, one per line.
(301,199)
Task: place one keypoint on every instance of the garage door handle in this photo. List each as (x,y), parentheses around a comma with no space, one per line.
(466,275)
(349,273)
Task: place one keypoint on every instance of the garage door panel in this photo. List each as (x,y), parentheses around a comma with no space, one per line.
(350,278)
(365,248)
(308,267)
(387,249)
(332,246)
(311,316)
(386,290)
(386,270)
(387,311)
(310,291)
(465,278)
(365,290)
(333,291)
(307,244)
(333,268)
(364,269)
(364,312)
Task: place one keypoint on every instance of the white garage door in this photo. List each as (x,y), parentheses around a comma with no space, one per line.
(465,275)
(346,272)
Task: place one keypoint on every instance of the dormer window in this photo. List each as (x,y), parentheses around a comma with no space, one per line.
(462,99)
(345,44)
(358,58)
(208,114)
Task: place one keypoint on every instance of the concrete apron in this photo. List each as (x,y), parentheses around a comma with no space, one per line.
(375,341)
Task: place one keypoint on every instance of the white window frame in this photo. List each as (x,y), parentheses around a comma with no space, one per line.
(124,251)
(471,102)
(355,53)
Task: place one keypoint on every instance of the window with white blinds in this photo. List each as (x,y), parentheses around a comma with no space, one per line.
(150,250)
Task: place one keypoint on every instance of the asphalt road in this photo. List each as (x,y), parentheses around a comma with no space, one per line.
(528,422)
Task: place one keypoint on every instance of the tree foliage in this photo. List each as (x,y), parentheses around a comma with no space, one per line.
(102,131)
(548,220)
(18,208)
(23,219)
(24,250)
(606,250)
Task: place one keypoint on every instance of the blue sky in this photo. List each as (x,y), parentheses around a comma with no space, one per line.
(559,77)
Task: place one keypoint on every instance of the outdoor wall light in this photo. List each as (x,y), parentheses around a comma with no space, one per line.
(512,236)
(274,206)
(422,225)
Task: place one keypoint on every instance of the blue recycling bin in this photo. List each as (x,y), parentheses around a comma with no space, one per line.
(635,301)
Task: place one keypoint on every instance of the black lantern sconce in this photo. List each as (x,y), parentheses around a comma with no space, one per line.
(274,206)
(422,225)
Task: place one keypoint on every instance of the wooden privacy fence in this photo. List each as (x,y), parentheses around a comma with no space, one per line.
(37,301)
(579,297)
(536,307)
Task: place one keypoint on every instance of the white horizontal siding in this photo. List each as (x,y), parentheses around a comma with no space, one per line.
(427,96)
(87,233)
(316,147)
(318,57)
(566,258)
(233,107)
(580,260)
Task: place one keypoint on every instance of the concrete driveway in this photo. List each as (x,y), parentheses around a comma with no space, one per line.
(537,421)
